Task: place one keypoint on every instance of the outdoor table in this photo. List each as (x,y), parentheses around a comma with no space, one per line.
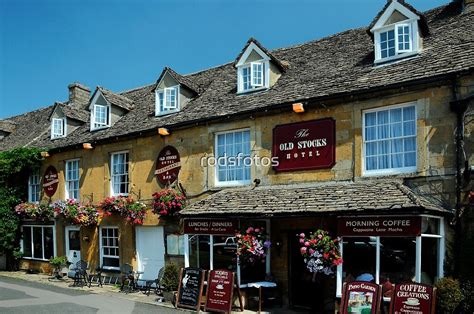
(260,285)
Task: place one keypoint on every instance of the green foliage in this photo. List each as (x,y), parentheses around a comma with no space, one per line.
(18,160)
(9,221)
(170,279)
(58,261)
(449,294)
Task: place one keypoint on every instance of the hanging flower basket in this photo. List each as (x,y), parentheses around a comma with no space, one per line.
(168,203)
(125,206)
(34,211)
(320,252)
(76,213)
(252,245)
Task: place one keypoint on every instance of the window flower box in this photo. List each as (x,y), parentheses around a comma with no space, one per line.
(125,206)
(76,213)
(168,203)
(34,211)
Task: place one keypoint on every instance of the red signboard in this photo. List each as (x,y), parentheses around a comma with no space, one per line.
(168,165)
(220,291)
(50,181)
(209,226)
(413,298)
(379,226)
(361,297)
(305,145)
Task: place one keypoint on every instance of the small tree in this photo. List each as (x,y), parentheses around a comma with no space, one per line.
(170,279)
(449,294)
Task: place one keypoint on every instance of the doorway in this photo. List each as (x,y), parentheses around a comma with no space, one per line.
(73,244)
(150,246)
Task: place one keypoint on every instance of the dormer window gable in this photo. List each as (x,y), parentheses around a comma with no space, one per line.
(101,111)
(256,68)
(396,32)
(173,91)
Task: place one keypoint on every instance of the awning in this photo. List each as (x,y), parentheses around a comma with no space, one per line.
(366,196)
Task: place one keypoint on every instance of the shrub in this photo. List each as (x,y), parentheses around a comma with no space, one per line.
(449,294)
(170,279)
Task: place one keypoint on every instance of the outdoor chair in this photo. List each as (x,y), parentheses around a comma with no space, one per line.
(127,277)
(80,274)
(98,275)
(147,285)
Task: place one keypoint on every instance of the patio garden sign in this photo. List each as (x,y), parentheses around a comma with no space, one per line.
(320,252)
(361,297)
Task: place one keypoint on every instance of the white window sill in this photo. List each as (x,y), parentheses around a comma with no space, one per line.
(231,184)
(58,137)
(35,259)
(162,114)
(110,268)
(389,172)
(249,91)
(100,128)
(399,57)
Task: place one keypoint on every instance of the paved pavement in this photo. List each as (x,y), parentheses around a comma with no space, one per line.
(20,296)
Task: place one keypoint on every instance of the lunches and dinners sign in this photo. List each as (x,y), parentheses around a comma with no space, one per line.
(379,226)
(305,145)
(50,181)
(168,165)
(210,226)
(413,298)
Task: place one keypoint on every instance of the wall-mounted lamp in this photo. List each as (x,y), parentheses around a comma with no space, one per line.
(87,146)
(163,131)
(44,154)
(298,107)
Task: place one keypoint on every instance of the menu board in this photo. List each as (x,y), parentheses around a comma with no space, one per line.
(191,281)
(360,297)
(220,291)
(413,298)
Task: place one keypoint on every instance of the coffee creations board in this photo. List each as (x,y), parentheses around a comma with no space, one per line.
(191,281)
(413,298)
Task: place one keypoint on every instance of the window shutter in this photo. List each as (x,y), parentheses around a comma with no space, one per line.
(256,74)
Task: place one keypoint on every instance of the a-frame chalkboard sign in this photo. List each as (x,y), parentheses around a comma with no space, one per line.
(191,282)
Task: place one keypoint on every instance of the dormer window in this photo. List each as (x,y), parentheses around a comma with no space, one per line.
(253,76)
(167,100)
(396,33)
(58,128)
(100,117)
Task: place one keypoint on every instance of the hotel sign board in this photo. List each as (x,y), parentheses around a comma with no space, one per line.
(50,181)
(168,165)
(209,226)
(379,226)
(413,298)
(305,145)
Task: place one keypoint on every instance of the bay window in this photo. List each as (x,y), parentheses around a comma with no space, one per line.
(109,248)
(391,260)
(389,140)
(233,158)
(38,242)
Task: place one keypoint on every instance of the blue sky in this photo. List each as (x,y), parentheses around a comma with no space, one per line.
(122,44)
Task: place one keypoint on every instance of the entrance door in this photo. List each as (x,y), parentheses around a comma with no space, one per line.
(73,244)
(150,246)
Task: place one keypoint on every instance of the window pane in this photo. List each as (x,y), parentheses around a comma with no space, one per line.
(110,262)
(430,225)
(397,259)
(27,242)
(429,260)
(235,146)
(37,242)
(355,267)
(48,242)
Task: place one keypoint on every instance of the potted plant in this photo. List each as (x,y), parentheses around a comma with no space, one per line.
(58,263)
(252,245)
(320,252)
(170,282)
(168,203)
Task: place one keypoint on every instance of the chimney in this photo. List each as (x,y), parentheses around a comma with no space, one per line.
(79,94)
(468,6)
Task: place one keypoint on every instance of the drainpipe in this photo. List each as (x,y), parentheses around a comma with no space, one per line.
(459,107)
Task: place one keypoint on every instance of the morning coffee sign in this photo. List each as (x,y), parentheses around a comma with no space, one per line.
(305,145)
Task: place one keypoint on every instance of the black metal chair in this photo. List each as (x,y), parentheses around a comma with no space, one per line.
(147,285)
(80,275)
(127,278)
(98,274)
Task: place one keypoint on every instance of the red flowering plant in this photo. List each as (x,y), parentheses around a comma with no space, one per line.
(252,245)
(76,213)
(125,206)
(34,211)
(168,202)
(320,251)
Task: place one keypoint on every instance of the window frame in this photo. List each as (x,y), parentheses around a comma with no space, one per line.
(389,171)
(112,176)
(99,125)
(67,180)
(410,41)
(31,185)
(163,103)
(265,67)
(22,244)
(418,266)
(62,123)
(218,183)
(101,247)
(414,37)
